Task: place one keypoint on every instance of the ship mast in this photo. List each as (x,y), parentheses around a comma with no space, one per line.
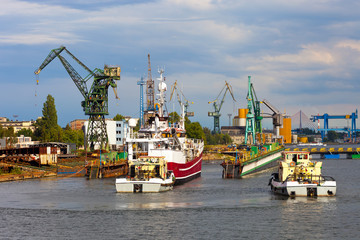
(162,89)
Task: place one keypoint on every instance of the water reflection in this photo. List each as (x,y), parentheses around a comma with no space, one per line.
(160,205)
(303,214)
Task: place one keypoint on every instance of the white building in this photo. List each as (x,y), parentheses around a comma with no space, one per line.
(116,131)
(21,142)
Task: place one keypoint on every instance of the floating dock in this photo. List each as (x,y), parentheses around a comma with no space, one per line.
(251,160)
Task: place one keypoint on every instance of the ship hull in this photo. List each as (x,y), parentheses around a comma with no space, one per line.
(295,189)
(253,166)
(154,185)
(185,172)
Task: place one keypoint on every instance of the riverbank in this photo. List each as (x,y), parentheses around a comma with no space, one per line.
(15,172)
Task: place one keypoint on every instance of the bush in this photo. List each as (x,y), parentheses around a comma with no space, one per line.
(15,170)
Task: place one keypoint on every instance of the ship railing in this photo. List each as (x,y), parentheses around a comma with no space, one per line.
(309,179)
(245,156)
(194,143)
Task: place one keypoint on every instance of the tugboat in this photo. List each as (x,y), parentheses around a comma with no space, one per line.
(298,176)
(146,174)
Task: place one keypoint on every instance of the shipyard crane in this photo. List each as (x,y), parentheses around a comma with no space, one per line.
(150,96)
(217,107)
(184,103)
(277,117)
(253,118)
(351,131)
(95,102)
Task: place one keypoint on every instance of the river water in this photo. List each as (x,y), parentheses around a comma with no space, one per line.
(207,208)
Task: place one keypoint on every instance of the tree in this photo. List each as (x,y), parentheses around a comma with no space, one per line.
(218,138)
(194,130)
(47,129)
(332,136)
(174,117)
(73,136)
(118,117)
(25,132)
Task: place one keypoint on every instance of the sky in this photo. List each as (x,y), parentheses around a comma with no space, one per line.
(301,54)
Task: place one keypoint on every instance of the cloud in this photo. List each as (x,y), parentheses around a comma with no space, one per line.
(299,53)
(36,39)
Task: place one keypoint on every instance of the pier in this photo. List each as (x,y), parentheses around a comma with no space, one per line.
(329,152)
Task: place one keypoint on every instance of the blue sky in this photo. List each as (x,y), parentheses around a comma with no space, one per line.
(301,54)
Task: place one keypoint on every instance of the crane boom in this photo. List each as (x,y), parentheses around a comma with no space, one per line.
(53,54)
(78,80)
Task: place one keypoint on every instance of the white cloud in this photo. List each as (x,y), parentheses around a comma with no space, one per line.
(32,39)
(196,5)
(352,44)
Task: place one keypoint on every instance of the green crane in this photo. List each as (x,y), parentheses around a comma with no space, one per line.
(253,118)
(217,107)
(95,103)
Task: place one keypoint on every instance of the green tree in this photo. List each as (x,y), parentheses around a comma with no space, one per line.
(118,117)
(194,130)
(174,117)
(332,136)
(73,136)
(25,132)
(47,129)
(2,132)
(8,133)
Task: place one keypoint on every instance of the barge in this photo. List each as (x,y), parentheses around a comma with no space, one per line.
(251,159)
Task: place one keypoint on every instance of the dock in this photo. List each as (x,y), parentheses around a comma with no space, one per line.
(329,152)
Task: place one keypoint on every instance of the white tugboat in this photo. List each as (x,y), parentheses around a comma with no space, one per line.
(146,174)
(298,176)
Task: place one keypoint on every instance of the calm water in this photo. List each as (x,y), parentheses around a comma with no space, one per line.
(206,208)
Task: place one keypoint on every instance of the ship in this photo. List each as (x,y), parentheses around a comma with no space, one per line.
(158,137)
(146,174)
(251,159)
(297,175)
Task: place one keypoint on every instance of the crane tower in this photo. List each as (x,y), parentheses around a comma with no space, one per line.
(95,103)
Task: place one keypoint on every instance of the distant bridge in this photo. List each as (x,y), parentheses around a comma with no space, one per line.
(300,120)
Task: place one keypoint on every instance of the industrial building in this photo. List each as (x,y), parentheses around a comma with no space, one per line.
(77,124)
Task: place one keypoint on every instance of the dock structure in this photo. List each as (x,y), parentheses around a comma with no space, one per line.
(329,152)
(42,153)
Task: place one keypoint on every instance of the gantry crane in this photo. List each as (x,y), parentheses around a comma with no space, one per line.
(184,103)
(351,131)
(95,102)
(217,107)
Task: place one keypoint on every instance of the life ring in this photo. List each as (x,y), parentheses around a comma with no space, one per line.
(315,182)
(292,164)
(157,106)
